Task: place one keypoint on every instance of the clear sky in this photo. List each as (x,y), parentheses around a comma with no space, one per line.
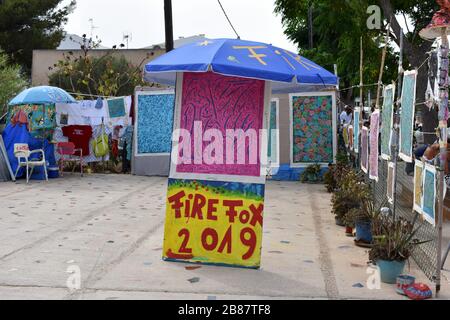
(144,19)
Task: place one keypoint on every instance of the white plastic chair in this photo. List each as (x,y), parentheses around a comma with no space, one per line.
(22,153)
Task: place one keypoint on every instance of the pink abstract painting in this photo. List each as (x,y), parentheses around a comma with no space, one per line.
(365,149)
(221,103)
(374,134)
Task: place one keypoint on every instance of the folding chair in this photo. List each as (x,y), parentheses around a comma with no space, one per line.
(68,153)
(22,153)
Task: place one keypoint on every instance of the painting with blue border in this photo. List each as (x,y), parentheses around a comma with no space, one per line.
(155,123)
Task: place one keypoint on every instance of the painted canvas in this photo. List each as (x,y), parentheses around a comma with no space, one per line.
(272,153)
(223,117)
(154,122)
(350,137)
(387,121)
(356,130)
(429,194)
(391,182)
(418,186)
(365,149)
(407,116)
(312,129)
(374,134)
(215,206)
(116,107)
(345,135)
(214,222)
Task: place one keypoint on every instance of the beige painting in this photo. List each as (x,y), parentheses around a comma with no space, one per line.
(418,186)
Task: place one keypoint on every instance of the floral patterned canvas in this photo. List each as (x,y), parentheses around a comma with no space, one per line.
(155,123)
(312,129)
(41,118)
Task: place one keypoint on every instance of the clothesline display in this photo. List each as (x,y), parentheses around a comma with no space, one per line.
(86,113)
(90,157)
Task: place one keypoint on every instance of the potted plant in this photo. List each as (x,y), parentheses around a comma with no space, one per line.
(352,191)
(392,247)
(363,217)
(329,179)
(312,174)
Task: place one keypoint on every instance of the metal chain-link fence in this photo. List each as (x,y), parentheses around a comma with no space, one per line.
(425,255)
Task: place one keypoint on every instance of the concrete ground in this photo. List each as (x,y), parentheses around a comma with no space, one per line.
(110,228)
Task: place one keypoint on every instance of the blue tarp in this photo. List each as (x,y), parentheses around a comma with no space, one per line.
(287,71)
(19,134)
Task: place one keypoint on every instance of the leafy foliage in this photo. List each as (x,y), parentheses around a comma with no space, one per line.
(11,82)
(26,25)
(338,26)
(109,75)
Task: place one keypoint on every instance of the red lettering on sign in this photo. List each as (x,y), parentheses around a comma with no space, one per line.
(232,204)
(226,242)
(184,249)
(208,232)
(244,217)
(199,204)
(250,242)
(212,209)
(176,202)
(257,214)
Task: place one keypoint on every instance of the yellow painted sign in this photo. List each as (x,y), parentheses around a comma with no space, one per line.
(214,223)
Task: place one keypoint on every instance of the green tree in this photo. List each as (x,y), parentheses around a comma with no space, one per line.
(338,26)
(109,75)
(26,25)
(11,82)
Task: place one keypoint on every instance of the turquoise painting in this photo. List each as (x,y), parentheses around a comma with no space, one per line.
(155,123)
(116,108)
(429,196)
(356,116)
(407,116)
(312,129)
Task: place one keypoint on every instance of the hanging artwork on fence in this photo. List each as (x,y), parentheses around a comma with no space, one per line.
(215,199)
(214,222)
(429,194)
(312,127)
(407,116)
(374,134)
(365,149)
(390,182)
(387,122)
(356,130)
(154,122)
(418,186)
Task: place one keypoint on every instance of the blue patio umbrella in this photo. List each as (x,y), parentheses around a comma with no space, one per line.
(287,71)
(42,95)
